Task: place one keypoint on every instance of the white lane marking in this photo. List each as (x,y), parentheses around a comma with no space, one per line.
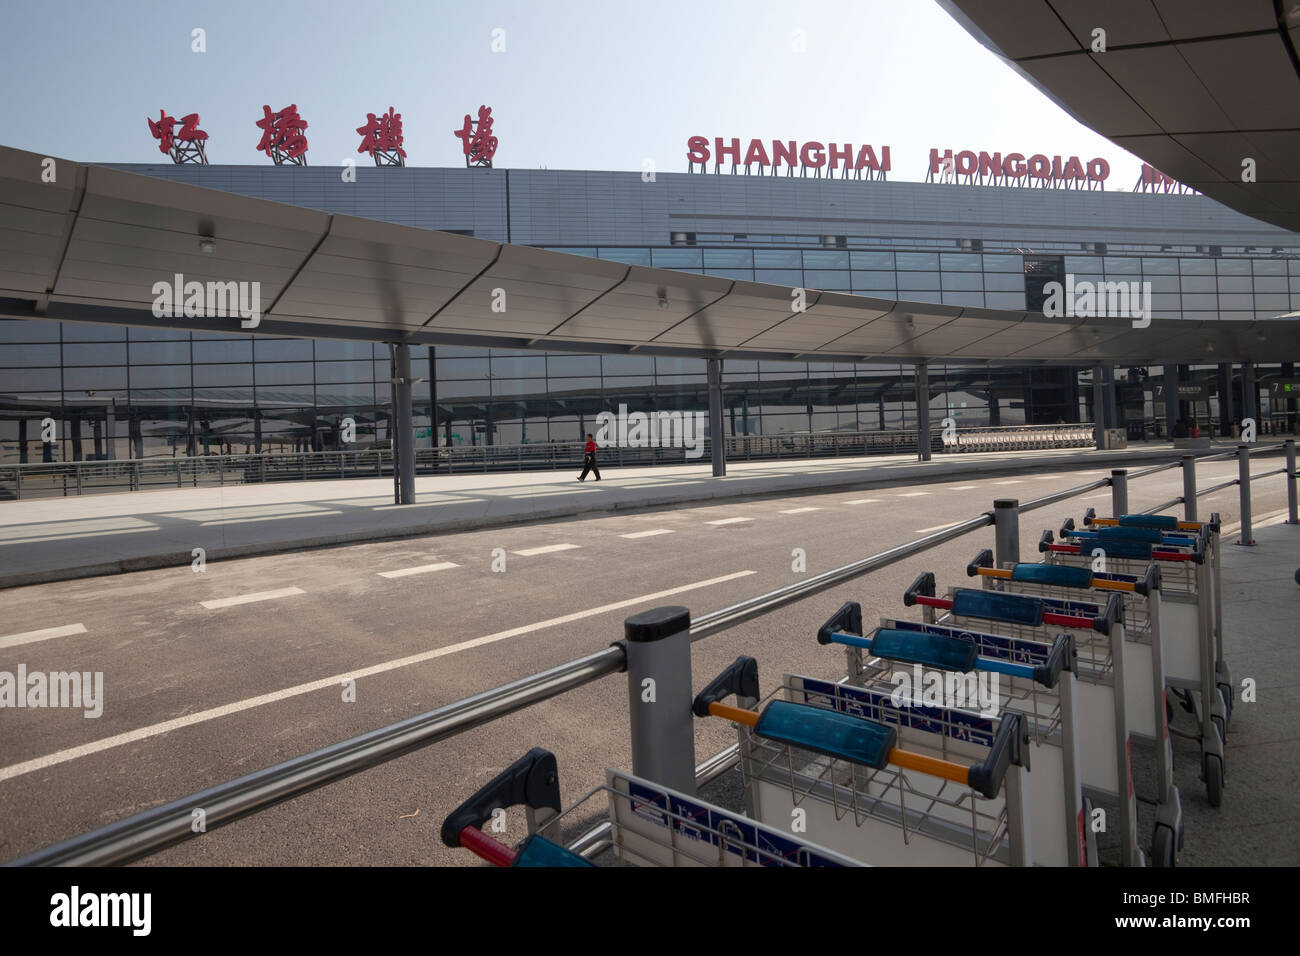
(964,488)
(799,511)
(1046,477)
(306,514)
(545,549)
(332,683)
(45,634)
(647,534)
(729,520)
(1013,481)
(912,494)
(421,569)
(250,598)
(863,501)
(938,527)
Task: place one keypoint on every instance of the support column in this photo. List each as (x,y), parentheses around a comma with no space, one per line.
(257,431)
(76,437)
(110,426)
(716,438)
(137,437)
(1171,399)
(1098,408)
(1111,403)
(97,433)
(1227,404)
(995,411)
(1289,404)
(22,441)
(880,408)
(1250,396)
(923,411)
(403,431)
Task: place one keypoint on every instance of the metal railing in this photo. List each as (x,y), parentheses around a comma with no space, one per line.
(60,479)
(153,830)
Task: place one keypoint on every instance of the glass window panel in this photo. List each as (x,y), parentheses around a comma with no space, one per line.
(1293,267)
(101,377)
(627,365)
(740,368)
(534,366)
(1122,266)
(93,332)
(159,353)
(728,259)
(1198,283)
(1162,300)
(919,295)
(1272,302)
(633,257)
(1077,265)
(588,251)
(460,368)
(777,424)
(774,369)
(1163,266)
(1162,283)
(872,260)
(338,349)
(1235,284)
(917,260)
(671,365)
(461,389)
(223,375)
(826,280)
(1236,301)
(572,364)
(1270,284)
(1004,263)
(104,353)
(24,379)
(780,259)
(744,275)
(230,350)
(918,280)
(791,278)
(1233,267)
(825,259)
(1004,281)
(1197,303)
(143,334)
(1004,300)
(159,376)
(1196,267)
(960,262)
(873,281)
(974,299)
(519,386)
(18,330)
(285,373)
(283,350)
(677,258)
(963,281)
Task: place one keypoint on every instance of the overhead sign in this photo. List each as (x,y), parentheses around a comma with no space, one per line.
(1284,388)
(811,156)
(1016,169)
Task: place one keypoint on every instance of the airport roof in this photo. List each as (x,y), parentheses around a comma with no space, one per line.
(88,243)
(1194,89)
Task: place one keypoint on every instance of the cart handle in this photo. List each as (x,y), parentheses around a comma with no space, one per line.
(1101,623)
(740,677)
(897,645)
(985,778)
(923,586)
(533,780)
(847,619)
(1028,572)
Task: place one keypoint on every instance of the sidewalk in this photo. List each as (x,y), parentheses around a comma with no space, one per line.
(53,539)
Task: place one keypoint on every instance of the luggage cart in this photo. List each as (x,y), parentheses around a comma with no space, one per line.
(1106,754)
(1186,623)
(649,825)
(871,799)
(1063,587)
(1033,679)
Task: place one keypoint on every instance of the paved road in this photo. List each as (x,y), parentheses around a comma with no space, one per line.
(203,683)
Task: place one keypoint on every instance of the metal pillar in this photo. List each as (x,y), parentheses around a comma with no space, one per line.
(1109,397)
(659,696)
(403,432)
(1243,482)
(137,437)
(1098,408)
(923,411)
(22,441)
(97,437)
(995,411)
(1227,411)
(1171,399)
(1119,492)
(1250,396)
(1006,531)
(1189,488)
(1291,476)
(717,440)
(76,438)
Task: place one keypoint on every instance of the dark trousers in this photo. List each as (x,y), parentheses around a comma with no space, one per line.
(589,464)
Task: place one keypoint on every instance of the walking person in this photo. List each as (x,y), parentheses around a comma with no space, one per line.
(589,459)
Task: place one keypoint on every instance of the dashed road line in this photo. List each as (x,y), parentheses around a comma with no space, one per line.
(863,501)
(421,569)
(251,598)
(729,521)
(647,534)
(799,511)
(44,634)
(912,494)
(545,549)
(332,683)
(964,488)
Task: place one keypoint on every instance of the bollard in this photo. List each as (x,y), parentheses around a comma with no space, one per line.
(659,696)
(1243,480)
(1290,482)
(1006,531)
(1118,492)
(1189,487)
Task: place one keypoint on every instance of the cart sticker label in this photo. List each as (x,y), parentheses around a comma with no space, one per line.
(877,704)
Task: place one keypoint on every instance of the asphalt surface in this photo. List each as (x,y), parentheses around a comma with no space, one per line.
(166,657)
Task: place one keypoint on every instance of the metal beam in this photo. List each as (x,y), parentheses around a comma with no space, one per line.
(716,437)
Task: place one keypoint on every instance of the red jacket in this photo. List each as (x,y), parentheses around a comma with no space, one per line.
(591,447)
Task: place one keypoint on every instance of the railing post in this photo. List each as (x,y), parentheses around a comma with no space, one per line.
(1189,487)
(1289,445)
(1006,531)
(1118,492)
(1243,481)
(659,696)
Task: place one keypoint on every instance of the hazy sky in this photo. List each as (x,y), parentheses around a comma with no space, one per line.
(582,84)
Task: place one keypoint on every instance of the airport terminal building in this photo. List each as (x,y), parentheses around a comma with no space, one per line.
(135,392)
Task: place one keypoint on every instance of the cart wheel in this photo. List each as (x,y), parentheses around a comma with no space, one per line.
(1214,779)
(1162,847)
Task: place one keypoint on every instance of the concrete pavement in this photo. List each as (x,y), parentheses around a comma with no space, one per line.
(51,539)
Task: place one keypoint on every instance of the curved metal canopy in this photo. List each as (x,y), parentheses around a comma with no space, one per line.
(89,244)
(1195,89)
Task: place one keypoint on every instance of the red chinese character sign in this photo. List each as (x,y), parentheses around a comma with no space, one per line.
(381,137)
(184,145)
(477,140)
(282,135)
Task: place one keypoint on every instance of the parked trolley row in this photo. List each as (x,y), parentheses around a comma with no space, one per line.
(1019,439)
(990,726)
